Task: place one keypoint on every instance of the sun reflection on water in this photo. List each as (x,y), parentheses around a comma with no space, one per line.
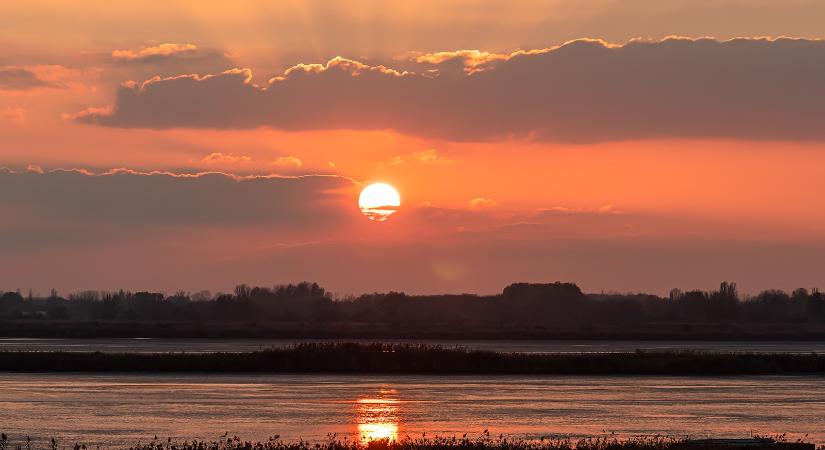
(377,416)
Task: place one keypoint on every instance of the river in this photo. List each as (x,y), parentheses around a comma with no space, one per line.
(117,410)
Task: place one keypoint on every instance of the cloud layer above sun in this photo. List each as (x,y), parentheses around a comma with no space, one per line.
(583,91)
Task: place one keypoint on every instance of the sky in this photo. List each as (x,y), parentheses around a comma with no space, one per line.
(626,146)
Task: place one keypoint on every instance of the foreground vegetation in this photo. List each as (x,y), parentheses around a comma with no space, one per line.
(485,442)
(416,359)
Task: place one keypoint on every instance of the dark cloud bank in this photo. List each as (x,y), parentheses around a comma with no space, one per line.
(130,198)
(18,78)
(583,91)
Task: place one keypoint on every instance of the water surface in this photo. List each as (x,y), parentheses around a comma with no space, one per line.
(117,410)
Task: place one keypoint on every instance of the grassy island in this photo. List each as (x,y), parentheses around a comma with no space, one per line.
(381,358)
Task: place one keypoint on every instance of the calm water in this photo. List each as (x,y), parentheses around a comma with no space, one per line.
(116,410)
(214,345)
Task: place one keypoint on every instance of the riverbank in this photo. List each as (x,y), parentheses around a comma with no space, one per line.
(416,359)
(67,329)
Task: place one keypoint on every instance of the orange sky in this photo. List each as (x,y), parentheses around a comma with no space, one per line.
(618,164)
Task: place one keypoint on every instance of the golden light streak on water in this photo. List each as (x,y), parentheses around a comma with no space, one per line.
(377,416)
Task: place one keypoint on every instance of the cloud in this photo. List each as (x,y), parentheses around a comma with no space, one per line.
(288,161)
(228,158)
(19,78)
(428,157)
(124,199)
(470,61)
(583,91)
(480,203)
(163,61)
(153,53)
(24,78)
(14,114)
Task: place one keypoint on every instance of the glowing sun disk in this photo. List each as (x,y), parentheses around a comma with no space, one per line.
(378,201)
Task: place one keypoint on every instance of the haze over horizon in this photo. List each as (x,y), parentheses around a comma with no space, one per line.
(622,146)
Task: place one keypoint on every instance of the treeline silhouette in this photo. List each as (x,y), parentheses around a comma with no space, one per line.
(519,306)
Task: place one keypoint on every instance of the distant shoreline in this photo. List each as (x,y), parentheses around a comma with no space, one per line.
(404,359)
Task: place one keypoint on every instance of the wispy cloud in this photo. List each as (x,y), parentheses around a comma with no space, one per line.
(288,161)
(157,51)
(426,157)
(480,203)
(225,158)
(14,114)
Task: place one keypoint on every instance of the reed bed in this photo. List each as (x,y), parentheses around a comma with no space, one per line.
(417,359)
(424,443)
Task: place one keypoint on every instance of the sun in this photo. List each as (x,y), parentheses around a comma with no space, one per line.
(378,201)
